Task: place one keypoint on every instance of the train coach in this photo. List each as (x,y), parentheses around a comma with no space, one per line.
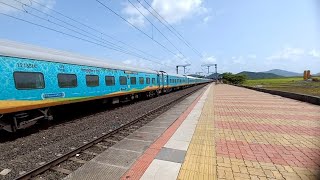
(35,79)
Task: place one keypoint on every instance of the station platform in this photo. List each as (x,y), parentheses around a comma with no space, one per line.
(221,132)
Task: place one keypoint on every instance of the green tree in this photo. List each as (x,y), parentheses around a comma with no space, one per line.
(233,78)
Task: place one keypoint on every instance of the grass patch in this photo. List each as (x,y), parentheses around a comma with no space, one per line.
(290,84)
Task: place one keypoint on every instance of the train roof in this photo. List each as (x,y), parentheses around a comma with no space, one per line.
(21,50)
(177,75)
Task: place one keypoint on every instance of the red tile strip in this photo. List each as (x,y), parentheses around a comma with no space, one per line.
(232,106)
(257,103)
(285,129)
(268,115)
(140,166)
(277,154)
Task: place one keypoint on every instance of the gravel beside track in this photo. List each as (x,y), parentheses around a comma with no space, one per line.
(29,152)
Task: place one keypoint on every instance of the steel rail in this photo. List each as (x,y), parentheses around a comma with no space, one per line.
(39,170)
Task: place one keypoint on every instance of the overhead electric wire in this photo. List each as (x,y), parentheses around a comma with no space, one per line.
(169,26)
(59,20)
(93,29)
(176,32)
(157,29)
(104,41)
(107,7)
(157,17)
(77,37)
(56,24)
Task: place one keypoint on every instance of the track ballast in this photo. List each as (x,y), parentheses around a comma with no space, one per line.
(69,140)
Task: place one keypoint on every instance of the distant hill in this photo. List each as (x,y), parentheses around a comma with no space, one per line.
(284,73)
(318,74)
(259,75)
(213,76)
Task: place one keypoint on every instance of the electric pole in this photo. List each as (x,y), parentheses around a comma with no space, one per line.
(184,68)
(216,69)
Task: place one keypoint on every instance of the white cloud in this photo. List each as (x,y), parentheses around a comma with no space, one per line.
(135,17)
(238,60)
(209,60)
(243,59)
(128,61)
(173,11)
(9,10)
(212,15)
(252,56)
(207,19)
(139,63)
(314,53)
(294,54)
(179,56)
(287,53)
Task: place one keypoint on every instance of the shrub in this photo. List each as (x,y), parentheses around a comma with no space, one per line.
(234,78)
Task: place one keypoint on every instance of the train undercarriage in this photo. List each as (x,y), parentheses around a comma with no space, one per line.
(21,120)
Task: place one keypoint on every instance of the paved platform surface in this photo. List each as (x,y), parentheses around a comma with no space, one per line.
(262,136)
(232,133)
(237,133)
(118,159)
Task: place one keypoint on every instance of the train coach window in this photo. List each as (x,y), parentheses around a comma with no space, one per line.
(67,80)
(92,80)
(153,80)
(28,80)
(133,80)
(110,81)
(141,80)
(148,80)
(123,80)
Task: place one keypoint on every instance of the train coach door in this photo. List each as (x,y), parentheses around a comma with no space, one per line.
(159,80)
(165,81)
(162,80)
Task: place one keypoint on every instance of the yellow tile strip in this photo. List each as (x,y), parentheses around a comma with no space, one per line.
(200,161)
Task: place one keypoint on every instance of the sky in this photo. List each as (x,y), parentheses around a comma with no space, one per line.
(247,35)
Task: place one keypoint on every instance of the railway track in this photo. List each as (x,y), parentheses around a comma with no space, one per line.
(99,144)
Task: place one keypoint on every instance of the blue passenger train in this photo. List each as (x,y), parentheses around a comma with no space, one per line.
(34,79)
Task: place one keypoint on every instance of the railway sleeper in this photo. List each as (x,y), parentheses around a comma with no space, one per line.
(61,170)
(74,159)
